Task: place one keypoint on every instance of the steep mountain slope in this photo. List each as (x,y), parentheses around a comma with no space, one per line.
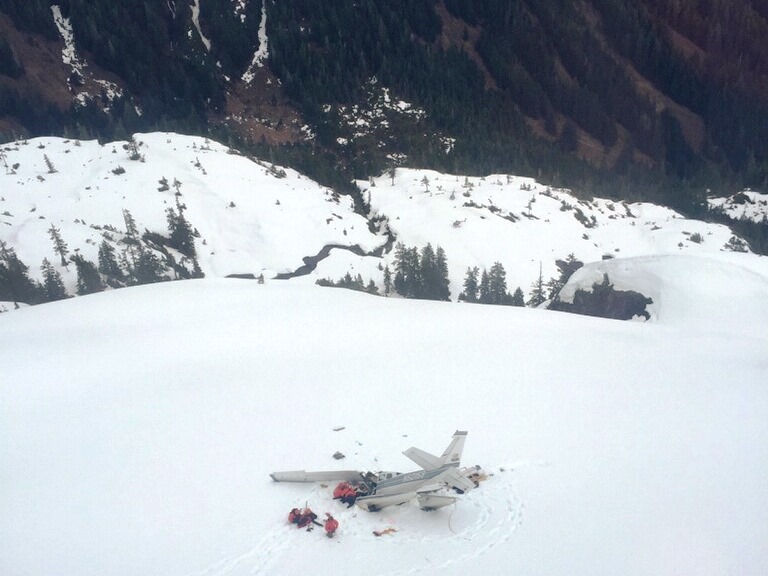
(644,98)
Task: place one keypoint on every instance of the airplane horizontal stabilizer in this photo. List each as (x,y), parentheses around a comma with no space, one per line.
(423,459)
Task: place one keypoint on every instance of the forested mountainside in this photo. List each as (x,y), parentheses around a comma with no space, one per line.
(652,99)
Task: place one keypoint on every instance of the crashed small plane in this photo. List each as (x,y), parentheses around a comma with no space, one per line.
(430,486)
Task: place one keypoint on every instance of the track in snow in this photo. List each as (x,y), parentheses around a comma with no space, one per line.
(479,521)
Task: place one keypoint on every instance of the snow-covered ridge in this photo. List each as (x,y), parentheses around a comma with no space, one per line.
(747,204)
(524,224)
(252,221)
(252,217)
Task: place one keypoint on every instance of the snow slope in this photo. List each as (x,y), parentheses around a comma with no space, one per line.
(250,220)
(523,224)
(138,428)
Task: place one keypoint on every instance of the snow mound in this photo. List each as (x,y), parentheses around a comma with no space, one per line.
(715,292)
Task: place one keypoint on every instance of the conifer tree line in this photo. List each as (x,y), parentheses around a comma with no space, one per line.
(490,287)
(422,275)
(347,281)
(144,259)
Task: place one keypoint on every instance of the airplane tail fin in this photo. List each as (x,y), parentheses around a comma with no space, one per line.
(451,455)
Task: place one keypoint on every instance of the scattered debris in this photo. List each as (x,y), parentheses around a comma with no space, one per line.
(338,455)
(389,530)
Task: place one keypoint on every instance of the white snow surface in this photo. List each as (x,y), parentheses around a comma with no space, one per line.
(262,53)
(69,53)
(138,428)
(274,223)
(524,224)
(196,22)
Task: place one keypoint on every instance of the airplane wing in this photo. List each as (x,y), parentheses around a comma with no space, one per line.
(456,479)
(304,476)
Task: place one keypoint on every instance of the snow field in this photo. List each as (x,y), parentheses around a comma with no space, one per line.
(139,428)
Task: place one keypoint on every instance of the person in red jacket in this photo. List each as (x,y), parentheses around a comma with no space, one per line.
(341,490)
(330,525)
(345,492)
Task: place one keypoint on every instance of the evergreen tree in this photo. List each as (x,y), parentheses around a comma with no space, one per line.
(197,272)
(387,280)
(49,164)
(407,271)
(427,274)
(15,283)
(538,294)
(485,288)
(52,282)
(88,279)
(148,269)
(399,281)
(497,284)
(133,240)
(518,298)
(181,236)
(59,246)
(130,224)
(108,265)
(443,290)
(567,267)
(470,285)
